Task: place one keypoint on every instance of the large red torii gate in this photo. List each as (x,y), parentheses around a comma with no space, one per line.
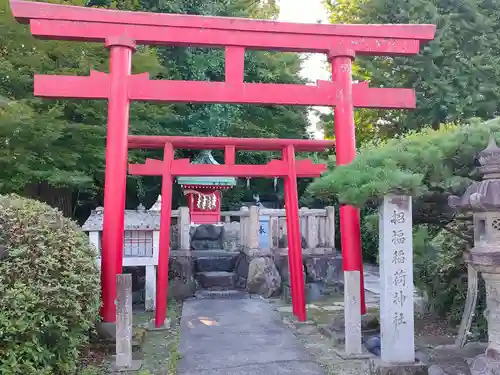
(121,31)
(288,168)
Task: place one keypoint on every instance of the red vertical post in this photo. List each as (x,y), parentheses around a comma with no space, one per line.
(345,146)
(121,50)
(294,237)
(165,220)
(291,264)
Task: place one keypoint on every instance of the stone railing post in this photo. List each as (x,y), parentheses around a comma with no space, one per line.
(123,360)
(243,227)
(330,226)
(150,284)
(312,231)
(184,225)
(253,228)
(94,240)
(274,231)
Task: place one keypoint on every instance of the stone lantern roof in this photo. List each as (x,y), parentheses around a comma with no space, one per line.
(483,195)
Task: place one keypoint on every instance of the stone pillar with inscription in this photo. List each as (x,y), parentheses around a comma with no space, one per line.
(482,198)
(396,283)
(123,357)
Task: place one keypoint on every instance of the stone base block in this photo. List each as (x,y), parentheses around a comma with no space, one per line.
(345,355)
(216,279)
(135,366)
(380,368)
(106,331)
(150,326)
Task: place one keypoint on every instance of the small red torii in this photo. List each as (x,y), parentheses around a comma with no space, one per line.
(288,168)
(120,31)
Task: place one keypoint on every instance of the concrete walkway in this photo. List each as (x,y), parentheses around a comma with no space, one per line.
(239,337)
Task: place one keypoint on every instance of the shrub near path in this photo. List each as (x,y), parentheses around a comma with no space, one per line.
(49,286)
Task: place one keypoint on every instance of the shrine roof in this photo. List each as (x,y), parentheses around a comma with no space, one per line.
(134,220)
(206,157)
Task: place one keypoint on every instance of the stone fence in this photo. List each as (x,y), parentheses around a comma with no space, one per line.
(250,228)
(266,228)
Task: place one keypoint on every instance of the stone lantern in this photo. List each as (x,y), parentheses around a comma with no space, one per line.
(482,198)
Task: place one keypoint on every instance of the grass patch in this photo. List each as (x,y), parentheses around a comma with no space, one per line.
(159,350)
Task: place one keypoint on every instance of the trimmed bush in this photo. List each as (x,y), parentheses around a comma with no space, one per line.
(49,289)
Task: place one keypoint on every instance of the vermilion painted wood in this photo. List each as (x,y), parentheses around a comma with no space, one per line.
(350,231)
(220,143)
(25,11)
(293,233)
(121,30)
(164,241)
(183,168)
(229,155)
(289,168)
(96,86)
(115,173)
(156,35)
(235,64)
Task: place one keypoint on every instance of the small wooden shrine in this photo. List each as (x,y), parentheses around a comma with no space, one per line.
(204,193)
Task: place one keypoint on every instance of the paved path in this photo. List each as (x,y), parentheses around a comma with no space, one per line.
(239,337)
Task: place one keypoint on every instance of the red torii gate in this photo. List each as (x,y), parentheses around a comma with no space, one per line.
(120,31)
(288,168)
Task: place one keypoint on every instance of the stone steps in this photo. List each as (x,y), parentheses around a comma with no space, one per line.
(217,279)
(214,271)
(214,263)
(221,294)
(213,253)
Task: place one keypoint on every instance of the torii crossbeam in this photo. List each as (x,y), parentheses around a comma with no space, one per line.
(120,32)
(288,168)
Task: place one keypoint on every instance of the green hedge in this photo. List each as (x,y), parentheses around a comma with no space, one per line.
(49,288)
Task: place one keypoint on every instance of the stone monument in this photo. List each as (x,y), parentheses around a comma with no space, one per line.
(483,199)
(396,281)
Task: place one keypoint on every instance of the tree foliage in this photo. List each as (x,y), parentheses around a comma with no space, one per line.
(54,150)
(456,76)
(428,164)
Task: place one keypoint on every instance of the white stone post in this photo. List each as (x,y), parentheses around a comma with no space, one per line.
(243,227)
(150,289)
(150,282)
(396,279)
(253,228)
(312,232)
(330,226)
(123,359)
(156,246)
(184,225)
(352,312)
(94,240)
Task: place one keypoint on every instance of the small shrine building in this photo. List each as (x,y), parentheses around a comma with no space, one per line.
(204,194)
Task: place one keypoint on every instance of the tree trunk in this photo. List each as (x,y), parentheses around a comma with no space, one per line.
(58,197)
